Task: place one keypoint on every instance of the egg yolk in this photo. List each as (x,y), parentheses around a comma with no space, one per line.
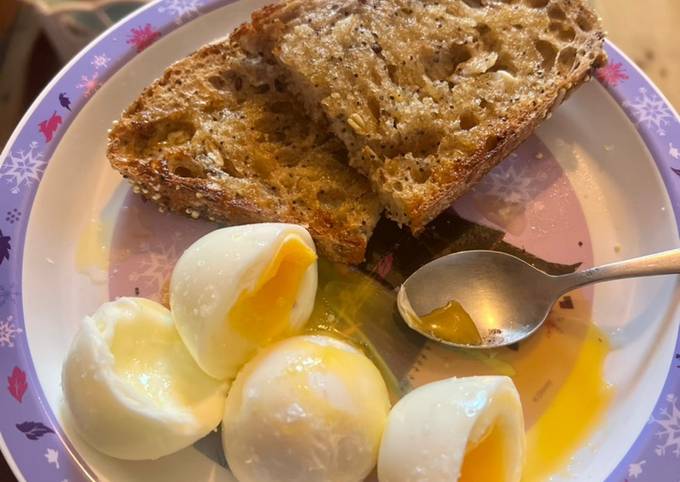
(486,460)
(263,313)
(563,401)
(574,410)
(452,323)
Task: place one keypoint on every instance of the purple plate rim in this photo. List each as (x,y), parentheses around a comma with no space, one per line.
(31,439)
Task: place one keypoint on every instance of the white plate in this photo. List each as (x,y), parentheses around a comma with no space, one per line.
(610,185)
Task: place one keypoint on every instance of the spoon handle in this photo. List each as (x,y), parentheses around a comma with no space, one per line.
(666,262)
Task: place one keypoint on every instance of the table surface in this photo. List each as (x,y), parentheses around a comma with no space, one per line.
(646,30)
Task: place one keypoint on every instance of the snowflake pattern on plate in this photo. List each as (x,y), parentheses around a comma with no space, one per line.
(23,168)
(89,84)
(673,151)
(154,267)
(506,195)
(668,422)
(8,331)
(612,74)
(181,10)
(100,61)
(650,110)
(512,181)
(142,37)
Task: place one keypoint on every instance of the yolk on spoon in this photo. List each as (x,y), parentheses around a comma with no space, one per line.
(450,322)
(558,371)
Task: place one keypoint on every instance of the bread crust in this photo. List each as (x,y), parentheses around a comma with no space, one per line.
(208,172)
(288,28)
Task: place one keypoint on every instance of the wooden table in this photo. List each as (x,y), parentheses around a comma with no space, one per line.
(648,32)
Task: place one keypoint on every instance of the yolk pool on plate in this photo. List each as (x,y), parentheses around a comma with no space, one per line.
(92,251)
(259,314)
(558,371)
(572,413)
(486,461)
(452,323)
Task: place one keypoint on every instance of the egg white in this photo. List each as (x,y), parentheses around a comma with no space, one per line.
(307,409)
(430,431)
(132,389)
(208,280)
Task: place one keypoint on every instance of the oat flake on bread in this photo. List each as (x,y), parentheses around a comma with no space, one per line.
(428,96)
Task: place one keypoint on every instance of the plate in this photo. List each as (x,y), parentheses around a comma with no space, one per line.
(598,182)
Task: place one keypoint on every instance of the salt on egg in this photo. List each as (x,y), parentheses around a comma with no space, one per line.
(306,409)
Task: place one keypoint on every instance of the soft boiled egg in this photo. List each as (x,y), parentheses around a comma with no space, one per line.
(306,409)
(133,390)
(460,429)
(238,288)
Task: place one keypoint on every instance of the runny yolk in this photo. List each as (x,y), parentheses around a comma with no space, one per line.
(451,323)
(559,371)
(92,251)
(486,461)
(573,412)
(263,313)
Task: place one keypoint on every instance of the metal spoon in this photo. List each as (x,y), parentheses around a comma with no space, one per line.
(507,299)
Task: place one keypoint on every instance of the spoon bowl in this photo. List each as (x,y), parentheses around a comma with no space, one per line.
(506,298)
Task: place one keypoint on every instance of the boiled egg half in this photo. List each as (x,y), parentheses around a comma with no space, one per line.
(239,288)
(306,409)
(460,429)
(132,388)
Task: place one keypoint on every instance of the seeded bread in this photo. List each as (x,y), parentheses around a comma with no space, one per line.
(429,96)
(219,136)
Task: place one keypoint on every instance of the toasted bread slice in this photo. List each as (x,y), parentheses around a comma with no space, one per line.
(219,136)
(429,96)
